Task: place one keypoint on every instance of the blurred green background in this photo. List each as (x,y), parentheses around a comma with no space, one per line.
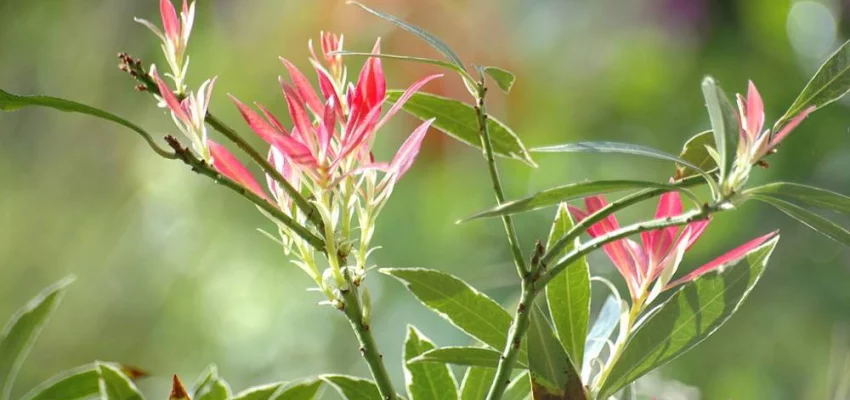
(172,274)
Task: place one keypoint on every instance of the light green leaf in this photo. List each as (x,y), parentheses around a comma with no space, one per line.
(504,78)
(724,124)
(210,386)
(76,384)
(20,333)
(458,120)
(820,224)
(353,388)
(306,390)
(691,315)
(573,191)
(553,375)
(519,389)
(476,383)
(830,83)
(422,60)
(435,42)
(568,294)
(114,385)
(808,195)
(426,381)
(453,299)
(695,151)
(262,392)
(460,355)
(12,102)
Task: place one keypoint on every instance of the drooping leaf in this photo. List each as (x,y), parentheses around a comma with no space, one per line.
(114,385)
(504,78)
(559,194)
(695,151)
(75,384)
(426,381)
(808,195)
(458,120)
(476,383)
(830,83)
(553,375)
(461,355)
(462,305)
(691,315)
(724,124)
(305,390)
(353,388)
(262,392)
(603,327)
(435,42)
(519,389)
(820,224)
(20,333)
(12,102)
(568,294)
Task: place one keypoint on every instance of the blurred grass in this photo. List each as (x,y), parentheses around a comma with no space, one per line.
(173,275)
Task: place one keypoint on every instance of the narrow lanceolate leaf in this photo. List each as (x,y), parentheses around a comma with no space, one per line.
(435,42)
(426,381)
(573,191)
(808,195)
(695,151)
(422,60)
(12,102)
(568,294)
(453,299)
(460,355)
(820,224)
(519,389)
(114,385)
(263,392)
(504,79)
(600,333)
(830,83)
(306,390)
(476,383)
(19,334)
(458,120)
(76,384)
(724,124)
(553,375)
(691,315)
(353,388)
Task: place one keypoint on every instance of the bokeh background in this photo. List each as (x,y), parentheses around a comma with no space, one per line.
(172,274)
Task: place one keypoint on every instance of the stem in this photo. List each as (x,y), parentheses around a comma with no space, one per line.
(513,240)
(518,329)
(202,168)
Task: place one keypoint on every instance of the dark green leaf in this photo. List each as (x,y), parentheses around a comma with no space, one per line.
(568,294)
(820,224)
(76,384)
(808,195)
(114,385)
(12,102)
(519,389)
(435,42)
(353,388)
(691,315)
(573,191)
(696,152)
(306,390)
(476,383)
(504,78)
(553,375)
(724,124)
(830,83)
(426,381)
(20,333)
(472,356)
(458,120)
(262,392)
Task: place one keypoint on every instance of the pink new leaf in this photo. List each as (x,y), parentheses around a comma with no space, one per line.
(171,100)
(303,87)
(225,163)
(408,151)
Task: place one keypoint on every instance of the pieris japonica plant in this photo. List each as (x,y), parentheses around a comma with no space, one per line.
(324,190)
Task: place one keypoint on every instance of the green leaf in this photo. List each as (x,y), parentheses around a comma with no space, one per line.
(553,375)
(568,294)
(422,60)
(114,385)
(691,315)
(426,381)
(476,383)
(695,151)
(75,384)
(504,78)
(724,124)
(306,390)
(559,194)
(820,224)
(458,120)
(353,388)
(453,299)
(830,83)
(519,389)
(435,42)
(461,355)
(603,327)
(210,386)
(808,195)
(262,392)
(20,333)
(12,102)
